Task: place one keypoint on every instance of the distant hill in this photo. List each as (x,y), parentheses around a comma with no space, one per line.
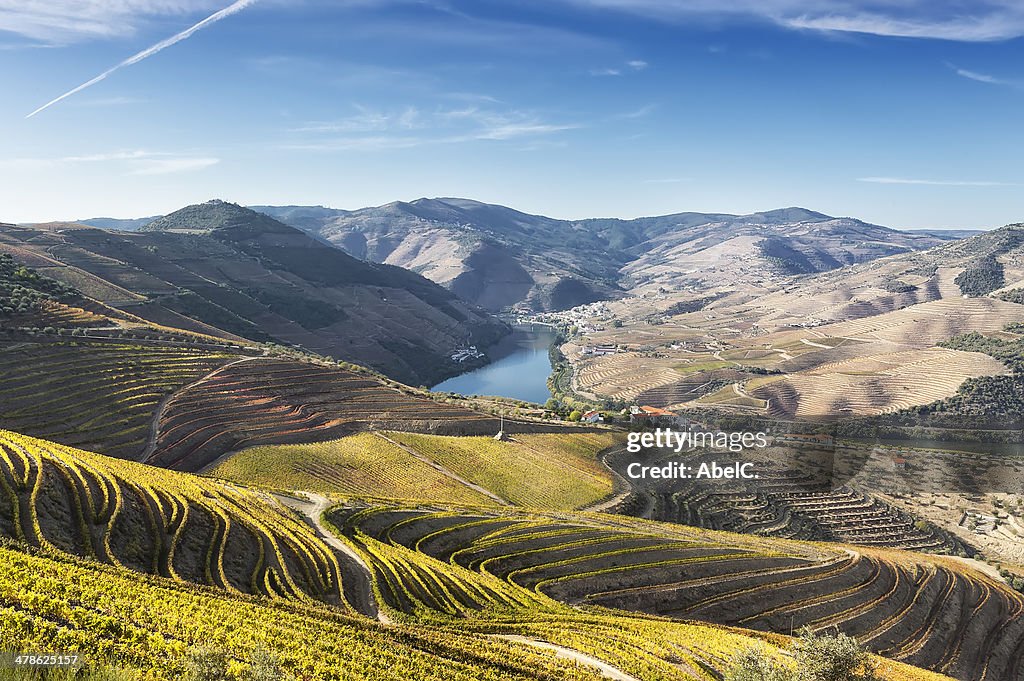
(223,269)
(948,234)
(501,258)
(124,225)
(498,257)
(990,264)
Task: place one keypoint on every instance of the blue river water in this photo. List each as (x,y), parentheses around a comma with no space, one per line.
(519,368)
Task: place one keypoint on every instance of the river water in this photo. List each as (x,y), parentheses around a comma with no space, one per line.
(519,368)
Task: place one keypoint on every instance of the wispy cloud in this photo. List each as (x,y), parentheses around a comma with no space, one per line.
(936,183)
(631,65)
(233,8)
(668,180)
(637,113)
(413,127)
(986,78)
(60,22)
(980,77)
(167,166)
(134,162)
(977,21)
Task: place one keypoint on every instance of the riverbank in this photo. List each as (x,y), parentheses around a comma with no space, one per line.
(519,368)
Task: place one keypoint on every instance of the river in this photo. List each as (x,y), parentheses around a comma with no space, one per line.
(519,368)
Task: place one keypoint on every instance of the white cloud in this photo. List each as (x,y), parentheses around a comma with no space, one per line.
(986,78)
(133,162)
(414,127)
(233,8)
(935,183)
(66,21)
(976,21)
(668,180)
(980,77)
(166,166)
(633,65)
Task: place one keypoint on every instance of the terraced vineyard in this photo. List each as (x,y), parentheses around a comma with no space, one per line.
(361,465)
(82,526)
(160,522)
(556,471)
(779,507)
(57,315)
(278,401)
(152,627)
(551,471)
(929,612)
(876,384)
(927,324)
(99,396)
(117,618)
(625,375)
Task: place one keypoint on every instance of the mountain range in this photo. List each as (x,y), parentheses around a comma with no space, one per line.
(500,258)
(224,270)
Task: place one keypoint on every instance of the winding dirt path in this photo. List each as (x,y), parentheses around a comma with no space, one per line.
(359,594)
(622,483)
(569,654)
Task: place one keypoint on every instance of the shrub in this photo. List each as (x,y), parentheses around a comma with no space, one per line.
(817,658)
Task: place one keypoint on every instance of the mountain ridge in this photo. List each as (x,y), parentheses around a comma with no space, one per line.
(501,258)
(220,266)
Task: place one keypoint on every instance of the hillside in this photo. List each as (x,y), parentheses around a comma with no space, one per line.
(203,601)
(220,269)
(933,613)
(499,257)
(159,522)
(862,340)
(553,470)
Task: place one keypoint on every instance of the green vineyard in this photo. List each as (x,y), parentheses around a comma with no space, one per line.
(95,395)
(177,526)
(932,613)
(360,465)
(556,471)
(276,401)
(234,576)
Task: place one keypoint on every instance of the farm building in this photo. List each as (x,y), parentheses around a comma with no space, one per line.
(652,416)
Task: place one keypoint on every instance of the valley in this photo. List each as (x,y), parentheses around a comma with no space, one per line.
(207,414)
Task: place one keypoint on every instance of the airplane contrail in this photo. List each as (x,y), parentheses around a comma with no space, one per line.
(233,8)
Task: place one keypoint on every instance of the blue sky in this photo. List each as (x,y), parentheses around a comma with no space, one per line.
(901,112)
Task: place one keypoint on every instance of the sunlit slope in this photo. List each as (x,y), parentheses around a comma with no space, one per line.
(930,612)
(150,520)
(150,626)
(279,401)
(97,395)
(361,465)
(550,470)
(450,622)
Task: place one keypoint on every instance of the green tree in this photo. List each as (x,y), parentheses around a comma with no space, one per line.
(817,658)
(832,658)
(207,665)
(758,664)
